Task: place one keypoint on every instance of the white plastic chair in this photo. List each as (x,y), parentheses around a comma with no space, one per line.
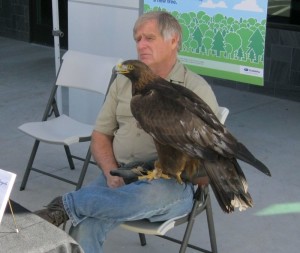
(78,70)
(201,202)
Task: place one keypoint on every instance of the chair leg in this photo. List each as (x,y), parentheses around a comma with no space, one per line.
(211,227)
(189,228)
(69,156)
(142,239)
(84,169)
(29,165)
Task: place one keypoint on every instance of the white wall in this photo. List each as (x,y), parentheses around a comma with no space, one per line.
(102,27)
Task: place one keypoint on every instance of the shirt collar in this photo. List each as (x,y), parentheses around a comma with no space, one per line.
(177,73)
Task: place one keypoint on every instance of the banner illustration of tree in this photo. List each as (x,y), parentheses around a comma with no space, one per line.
(221,38)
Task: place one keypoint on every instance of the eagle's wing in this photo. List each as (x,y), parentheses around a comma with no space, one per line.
(197,105)
(171,118)
(176,116)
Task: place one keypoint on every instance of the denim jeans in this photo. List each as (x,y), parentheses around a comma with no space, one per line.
(96,209)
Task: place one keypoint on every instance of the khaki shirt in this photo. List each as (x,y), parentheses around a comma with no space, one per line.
(131,143)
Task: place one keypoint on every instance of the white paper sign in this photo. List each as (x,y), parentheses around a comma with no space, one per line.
(7,180)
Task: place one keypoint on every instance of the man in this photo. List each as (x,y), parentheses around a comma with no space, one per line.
(96,209)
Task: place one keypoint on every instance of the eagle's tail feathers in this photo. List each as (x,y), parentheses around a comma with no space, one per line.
(229,184)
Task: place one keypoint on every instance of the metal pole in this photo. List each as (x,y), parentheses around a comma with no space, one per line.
(56,34)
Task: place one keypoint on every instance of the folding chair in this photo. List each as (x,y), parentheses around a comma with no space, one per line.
(79,71)
(201,202)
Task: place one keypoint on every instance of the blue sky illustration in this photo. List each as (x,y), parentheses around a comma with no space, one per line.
(231,8)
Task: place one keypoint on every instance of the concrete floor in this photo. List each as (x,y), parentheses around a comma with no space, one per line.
(268,126)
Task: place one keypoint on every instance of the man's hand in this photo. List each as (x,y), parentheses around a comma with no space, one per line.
(114,181)
(102,151)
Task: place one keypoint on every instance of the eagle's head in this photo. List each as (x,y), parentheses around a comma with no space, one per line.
(138,72)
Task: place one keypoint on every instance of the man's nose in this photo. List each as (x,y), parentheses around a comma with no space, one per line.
(141,44)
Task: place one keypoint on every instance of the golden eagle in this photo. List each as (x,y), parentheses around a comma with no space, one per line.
(188,136)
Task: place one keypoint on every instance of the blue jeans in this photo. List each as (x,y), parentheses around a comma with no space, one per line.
(95,210)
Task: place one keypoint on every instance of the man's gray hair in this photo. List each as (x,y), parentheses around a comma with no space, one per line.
(167,24)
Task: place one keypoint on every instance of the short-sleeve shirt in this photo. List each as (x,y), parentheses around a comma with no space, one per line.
(130,142)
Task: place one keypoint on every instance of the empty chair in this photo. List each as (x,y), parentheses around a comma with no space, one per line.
(79,71)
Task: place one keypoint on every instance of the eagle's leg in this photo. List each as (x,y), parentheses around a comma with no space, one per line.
(182,163)
(155,174)
(178,177)
(159,172)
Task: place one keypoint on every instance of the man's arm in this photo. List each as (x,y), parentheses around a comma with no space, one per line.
(102,151)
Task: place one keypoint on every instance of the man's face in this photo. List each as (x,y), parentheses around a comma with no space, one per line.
(152,49)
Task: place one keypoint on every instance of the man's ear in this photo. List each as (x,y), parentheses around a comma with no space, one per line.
(174,42)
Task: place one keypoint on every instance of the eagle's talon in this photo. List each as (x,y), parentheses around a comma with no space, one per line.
(179,180)
(154,174)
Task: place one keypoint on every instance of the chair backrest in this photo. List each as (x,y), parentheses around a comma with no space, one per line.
(84,79)
(86,71)
(222,114)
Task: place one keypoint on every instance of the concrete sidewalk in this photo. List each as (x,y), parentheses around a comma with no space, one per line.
(268,126)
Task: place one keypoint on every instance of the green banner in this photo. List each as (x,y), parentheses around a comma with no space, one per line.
(224,39)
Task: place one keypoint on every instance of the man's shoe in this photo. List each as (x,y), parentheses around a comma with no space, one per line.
(54,213)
